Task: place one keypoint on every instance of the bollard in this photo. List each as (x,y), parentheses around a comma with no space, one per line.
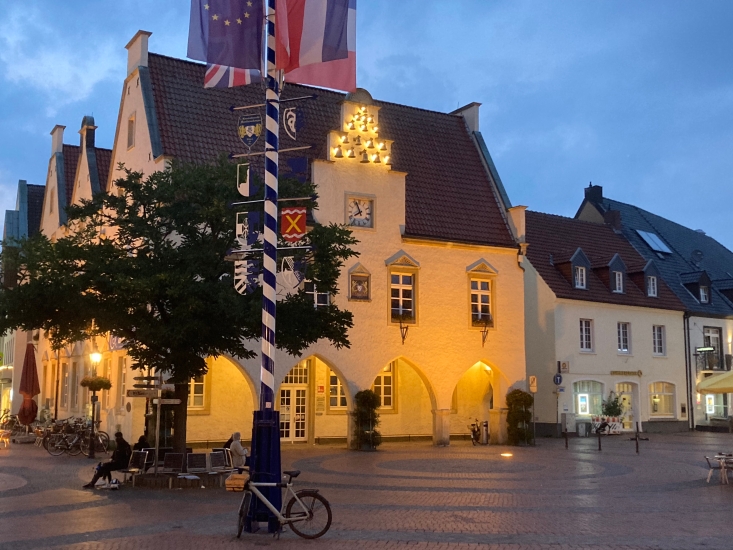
(637,442)
(599,440)
(565,433)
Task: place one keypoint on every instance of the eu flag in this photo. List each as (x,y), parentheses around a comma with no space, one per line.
(227,32)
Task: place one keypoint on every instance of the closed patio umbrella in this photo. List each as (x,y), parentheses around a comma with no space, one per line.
(717,383)
(29,386)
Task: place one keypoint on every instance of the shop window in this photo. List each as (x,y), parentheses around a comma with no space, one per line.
(662,399)
(384,386)
(336,393)
(588,397)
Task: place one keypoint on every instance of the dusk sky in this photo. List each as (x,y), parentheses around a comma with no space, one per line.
(636,96)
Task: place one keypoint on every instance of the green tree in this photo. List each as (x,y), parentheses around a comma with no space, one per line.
(518,417)
(149,264)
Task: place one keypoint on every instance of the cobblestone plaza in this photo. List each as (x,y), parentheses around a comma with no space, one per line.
(405,495)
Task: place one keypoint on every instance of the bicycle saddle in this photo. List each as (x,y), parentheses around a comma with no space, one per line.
(292,473)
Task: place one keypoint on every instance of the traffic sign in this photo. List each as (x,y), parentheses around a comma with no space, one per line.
(533,384)
(145,378)
(143,393)
(557,379)
(167,401)
(146,386)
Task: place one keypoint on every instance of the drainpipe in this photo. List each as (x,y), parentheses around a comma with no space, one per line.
(688,373)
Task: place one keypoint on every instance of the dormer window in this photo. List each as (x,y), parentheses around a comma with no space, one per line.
(704,294)
(618,278)
(580,277)
(651,286)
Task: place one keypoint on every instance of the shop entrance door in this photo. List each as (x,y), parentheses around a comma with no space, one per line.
(293,407)
(625,392)
(294,404)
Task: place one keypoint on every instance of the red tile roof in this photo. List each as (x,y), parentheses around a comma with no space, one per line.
(554,239)
(71,159)
(104,160)
(449,195)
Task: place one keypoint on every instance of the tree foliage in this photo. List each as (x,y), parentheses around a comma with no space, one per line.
(148,264)
(518,417)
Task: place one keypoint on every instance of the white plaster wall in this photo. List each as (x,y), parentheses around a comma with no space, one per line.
(696,335)
(605,357)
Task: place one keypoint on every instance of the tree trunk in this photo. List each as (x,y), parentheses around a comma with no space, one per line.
(180,418)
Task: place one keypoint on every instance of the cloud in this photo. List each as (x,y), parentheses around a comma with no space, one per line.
(35,55)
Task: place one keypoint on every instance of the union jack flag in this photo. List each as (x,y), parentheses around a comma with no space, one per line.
(221,76)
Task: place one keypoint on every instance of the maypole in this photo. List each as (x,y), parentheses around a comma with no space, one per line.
(265,461)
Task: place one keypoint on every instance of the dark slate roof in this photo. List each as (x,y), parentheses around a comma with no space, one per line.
(71,160)
(449,194)
(35,208)
(104,161)
(551,237)
(716,259)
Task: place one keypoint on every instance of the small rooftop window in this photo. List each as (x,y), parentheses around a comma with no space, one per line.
(654,242)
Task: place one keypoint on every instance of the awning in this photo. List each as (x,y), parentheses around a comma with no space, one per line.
(717,383)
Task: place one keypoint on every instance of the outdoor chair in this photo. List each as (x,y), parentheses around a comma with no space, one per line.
(151,454)
(227,454)
(218,466)
(136,466)
(172,466)
(713,466)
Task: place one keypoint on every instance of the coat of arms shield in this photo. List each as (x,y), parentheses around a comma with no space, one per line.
(249,128)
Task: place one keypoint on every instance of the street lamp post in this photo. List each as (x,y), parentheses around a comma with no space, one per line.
(95,357)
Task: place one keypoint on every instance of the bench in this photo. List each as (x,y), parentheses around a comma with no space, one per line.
(136,465)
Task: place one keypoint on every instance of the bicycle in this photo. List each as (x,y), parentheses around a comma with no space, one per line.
(61,443)
(308,513)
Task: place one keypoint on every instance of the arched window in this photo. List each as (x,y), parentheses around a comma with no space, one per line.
(588,397)
(661,395)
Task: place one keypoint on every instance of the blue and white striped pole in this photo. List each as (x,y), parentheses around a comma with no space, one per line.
(269,264)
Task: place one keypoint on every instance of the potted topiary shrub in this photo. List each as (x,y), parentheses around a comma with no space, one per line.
(366,420)
(517,419)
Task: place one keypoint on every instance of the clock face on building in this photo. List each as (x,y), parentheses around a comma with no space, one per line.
(360,212)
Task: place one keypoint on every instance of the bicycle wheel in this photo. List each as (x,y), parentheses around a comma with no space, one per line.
(75,447)
(102,442)
(316,511)
(243,510)
(56,445)
(84,444)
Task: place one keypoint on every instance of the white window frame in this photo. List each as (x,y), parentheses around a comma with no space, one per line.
(623,337)
(480,310)
(74,385)
(659,341)
(65,385)
(586,335)
(194,384)
(121,382)
(618,282)
(581,280)
(106,372)
(401,288)
(384,386)
(652,286)
(336,393)
(704,294)
(320,299)
(654,394)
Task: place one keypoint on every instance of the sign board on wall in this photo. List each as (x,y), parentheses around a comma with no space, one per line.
(533,384)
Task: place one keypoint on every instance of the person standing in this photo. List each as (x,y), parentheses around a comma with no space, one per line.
(120,460)
(239,453)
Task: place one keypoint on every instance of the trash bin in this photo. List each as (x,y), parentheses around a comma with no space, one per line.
(485,432)
(583,429)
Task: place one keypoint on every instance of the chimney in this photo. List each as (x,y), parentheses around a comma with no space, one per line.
(594,193)
(57,139)
(612,218)
(137,51)
(87,133)
(470,114)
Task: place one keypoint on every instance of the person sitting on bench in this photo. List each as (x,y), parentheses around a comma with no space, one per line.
(120,460)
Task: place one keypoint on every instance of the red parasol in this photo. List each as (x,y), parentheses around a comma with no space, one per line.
(29,386)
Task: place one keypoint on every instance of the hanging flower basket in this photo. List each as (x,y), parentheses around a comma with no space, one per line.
(95,383)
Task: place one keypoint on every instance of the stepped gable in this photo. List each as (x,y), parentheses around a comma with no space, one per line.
(71,160)
(686,245)
(104,161)
(448,193)
(35,207)
(554,239)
